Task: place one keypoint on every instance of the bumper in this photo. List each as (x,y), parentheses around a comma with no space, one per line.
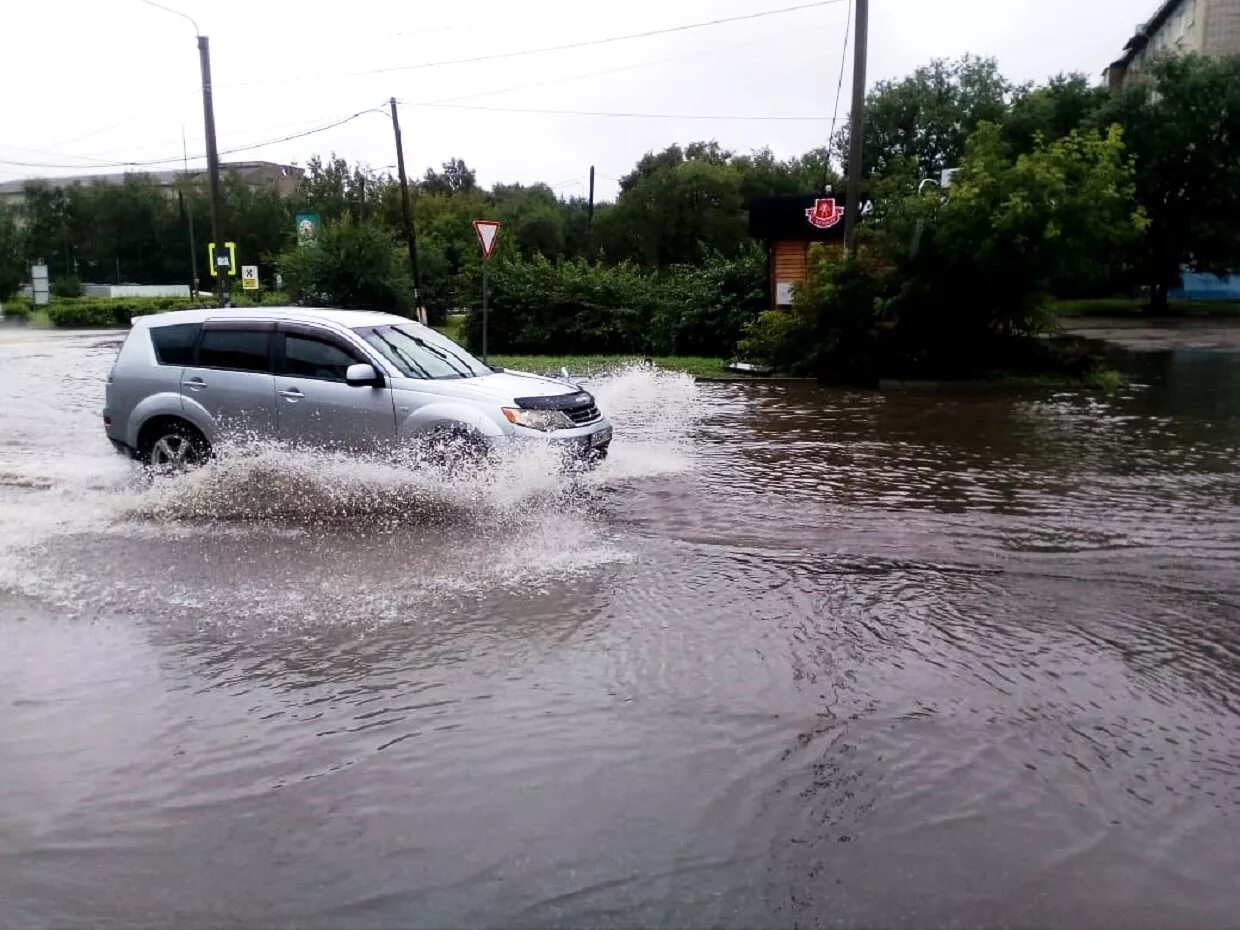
(122,449)
(587,443)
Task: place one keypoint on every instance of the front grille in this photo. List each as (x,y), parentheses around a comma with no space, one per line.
(584,415)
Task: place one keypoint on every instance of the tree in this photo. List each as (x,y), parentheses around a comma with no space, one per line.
(457,177)
(1006,231)
(676,207)
(1182,127)
(351,265)
(764,175)
(532,216)
(1066,102)
(44,214)
(12,252)
(929,115)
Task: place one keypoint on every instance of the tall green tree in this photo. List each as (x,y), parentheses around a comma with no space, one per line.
(1182,126)
(676,207)
(929,115)
(12,252)
(456,177)
(353,265)
(1052,110)
(992,249)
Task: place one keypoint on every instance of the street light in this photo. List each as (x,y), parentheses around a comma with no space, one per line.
(213,157)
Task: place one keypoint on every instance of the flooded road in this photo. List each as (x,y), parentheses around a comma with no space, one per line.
(791,657)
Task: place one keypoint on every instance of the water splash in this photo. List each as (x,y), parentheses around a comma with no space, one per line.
(92,532)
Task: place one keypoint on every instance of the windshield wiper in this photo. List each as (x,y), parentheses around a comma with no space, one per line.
(466,371)
(408,359)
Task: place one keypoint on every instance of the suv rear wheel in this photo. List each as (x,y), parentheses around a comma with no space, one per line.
(172,446)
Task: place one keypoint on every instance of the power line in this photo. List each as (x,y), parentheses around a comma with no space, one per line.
(101,160)
(839,88)
(147,163)
(619,115)
(487,22)
(548,48)
(589,74)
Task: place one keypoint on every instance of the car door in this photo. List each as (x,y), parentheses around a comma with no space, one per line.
(314,404)
(230,378)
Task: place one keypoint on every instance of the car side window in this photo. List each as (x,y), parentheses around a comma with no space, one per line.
(322,358)
(174,345)
(234,349)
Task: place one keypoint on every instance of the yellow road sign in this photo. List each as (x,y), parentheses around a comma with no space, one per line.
(225,260)
(249,277)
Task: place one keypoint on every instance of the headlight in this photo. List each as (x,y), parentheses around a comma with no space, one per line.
(545,420)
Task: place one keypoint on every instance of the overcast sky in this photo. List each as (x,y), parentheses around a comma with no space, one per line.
(94,82)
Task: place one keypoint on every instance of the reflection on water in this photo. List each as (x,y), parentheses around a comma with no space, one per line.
(791,657)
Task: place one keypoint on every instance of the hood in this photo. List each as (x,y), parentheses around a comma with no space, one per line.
(502,387)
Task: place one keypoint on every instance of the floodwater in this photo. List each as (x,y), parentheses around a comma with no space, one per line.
(791,657)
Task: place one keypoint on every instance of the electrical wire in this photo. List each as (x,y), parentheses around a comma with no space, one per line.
(488,22)
(617,114)
(146,163)
(839,91)
(520,53)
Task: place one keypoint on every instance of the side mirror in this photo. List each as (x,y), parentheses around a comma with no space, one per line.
(362,376)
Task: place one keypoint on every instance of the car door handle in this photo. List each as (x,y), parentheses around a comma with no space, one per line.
(292,395)
(194,384)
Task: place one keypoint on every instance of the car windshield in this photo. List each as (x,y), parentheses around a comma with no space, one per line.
(422,353)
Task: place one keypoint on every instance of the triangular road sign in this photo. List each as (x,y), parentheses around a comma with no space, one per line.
(488,232)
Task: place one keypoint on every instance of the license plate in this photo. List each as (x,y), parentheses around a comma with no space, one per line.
(601,438)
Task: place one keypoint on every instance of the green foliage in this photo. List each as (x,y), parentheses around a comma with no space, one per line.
(572,306)
(831,329)
(1181,126)
(578,306)
(456,178)
(676,209)
(97,312)
(705,309)
(929,115)
(16,310)
(12,251)
(66,286)
(682,206)
(352,265)
(1066,102)
(586,365)
(989,252)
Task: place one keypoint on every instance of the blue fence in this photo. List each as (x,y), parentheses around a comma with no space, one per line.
(1207,287)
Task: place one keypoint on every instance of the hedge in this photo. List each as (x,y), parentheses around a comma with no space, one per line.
(578,307)
(95,312)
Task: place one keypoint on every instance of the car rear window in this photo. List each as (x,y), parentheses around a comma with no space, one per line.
(235,349)
(174,345)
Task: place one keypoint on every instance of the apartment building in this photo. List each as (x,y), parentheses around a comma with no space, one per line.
(1211,27)
(258,174)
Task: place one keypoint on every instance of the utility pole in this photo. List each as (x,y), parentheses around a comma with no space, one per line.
(189,220)
(591,222)
(213,165)
(856,131)
(407,215)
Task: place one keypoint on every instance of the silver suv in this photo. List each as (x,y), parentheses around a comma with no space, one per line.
(338,378)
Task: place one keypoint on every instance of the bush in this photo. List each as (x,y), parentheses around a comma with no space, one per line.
(16,310)
(571,307)
(832,330)
(705,310)
(350,265)
(579,307)
(69,285)
(94,312)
